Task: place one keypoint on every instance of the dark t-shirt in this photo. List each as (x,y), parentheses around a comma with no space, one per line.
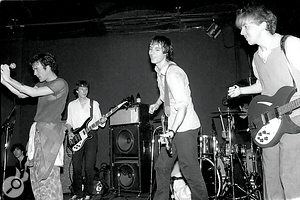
(50,107)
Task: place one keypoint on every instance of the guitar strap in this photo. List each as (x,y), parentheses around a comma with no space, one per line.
(166,98)
(282,46)
(91,108)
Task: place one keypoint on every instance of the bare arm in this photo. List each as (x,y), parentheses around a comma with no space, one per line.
(292,47)
(177,87)
(155,106)
(22,91)
(235,90)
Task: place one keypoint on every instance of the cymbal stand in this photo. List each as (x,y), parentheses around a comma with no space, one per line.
(215,161)
(253,175)
(227,134)
(152,160)
(229,118)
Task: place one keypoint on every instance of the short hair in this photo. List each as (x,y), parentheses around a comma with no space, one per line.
(166,44)
(258,14)
(81,83)
(17,146)
(45,59)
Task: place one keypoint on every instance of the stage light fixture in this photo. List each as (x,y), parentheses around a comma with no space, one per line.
(213,30)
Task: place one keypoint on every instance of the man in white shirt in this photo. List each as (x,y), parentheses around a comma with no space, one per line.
(183,122)
(79,110)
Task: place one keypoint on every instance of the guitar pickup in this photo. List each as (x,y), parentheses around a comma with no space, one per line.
(265,118)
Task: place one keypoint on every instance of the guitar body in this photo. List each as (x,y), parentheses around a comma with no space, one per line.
(80,136)
(266,123)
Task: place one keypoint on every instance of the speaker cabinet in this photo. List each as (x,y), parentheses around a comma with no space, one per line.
(130,155)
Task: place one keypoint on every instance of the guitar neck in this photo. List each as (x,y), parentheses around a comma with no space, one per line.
(289,107)
(95,124)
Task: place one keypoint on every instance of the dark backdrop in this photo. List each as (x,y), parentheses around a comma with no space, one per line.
(117,66)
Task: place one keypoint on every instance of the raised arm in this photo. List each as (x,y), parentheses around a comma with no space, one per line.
(22,91)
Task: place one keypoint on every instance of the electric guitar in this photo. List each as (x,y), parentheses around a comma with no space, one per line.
(82,134)
(166,140)
(268,116)
(13,186)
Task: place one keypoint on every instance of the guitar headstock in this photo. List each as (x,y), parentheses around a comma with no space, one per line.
(128,102)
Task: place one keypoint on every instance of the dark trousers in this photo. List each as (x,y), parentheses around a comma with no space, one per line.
(185,149)
(85,160)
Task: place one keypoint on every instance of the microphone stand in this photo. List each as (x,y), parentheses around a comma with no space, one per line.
(6,127)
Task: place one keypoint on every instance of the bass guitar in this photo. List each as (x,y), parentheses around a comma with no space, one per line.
(166,140)
(82,134)
(268,116)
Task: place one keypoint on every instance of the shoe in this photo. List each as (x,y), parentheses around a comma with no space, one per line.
(87,197)
(75,197)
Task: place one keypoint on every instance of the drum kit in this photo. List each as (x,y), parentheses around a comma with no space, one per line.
(230,170)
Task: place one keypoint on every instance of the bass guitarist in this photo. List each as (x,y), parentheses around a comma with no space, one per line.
(276,64)
(79,111)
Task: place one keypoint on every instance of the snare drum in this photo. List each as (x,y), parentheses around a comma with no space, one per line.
(208,145)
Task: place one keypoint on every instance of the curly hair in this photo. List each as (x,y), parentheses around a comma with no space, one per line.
(45,59)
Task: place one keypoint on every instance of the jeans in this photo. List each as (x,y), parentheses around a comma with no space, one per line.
(185,150)
(84,160)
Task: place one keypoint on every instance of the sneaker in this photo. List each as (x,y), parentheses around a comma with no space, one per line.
(75,197)
(87,197)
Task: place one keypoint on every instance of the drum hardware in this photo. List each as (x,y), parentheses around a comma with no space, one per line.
(208,160)
(231,189)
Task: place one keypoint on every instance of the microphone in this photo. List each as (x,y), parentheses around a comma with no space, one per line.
(12,65)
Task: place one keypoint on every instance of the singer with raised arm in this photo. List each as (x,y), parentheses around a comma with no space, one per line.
(276,65)
(183,122)
(45,145)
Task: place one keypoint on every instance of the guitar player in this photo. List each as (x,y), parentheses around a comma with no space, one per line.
(79,110)
(273,69)
(183,122)
(18,151)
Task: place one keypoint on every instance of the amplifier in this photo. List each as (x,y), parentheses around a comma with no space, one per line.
(137,113)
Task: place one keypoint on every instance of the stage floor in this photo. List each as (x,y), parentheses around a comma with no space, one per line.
(112,196)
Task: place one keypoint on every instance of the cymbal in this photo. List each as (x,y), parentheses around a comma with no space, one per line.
(226,112)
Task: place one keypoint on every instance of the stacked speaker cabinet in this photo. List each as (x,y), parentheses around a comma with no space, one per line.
(130,142)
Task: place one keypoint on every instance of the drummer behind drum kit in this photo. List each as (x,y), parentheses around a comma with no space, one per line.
(231,172)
